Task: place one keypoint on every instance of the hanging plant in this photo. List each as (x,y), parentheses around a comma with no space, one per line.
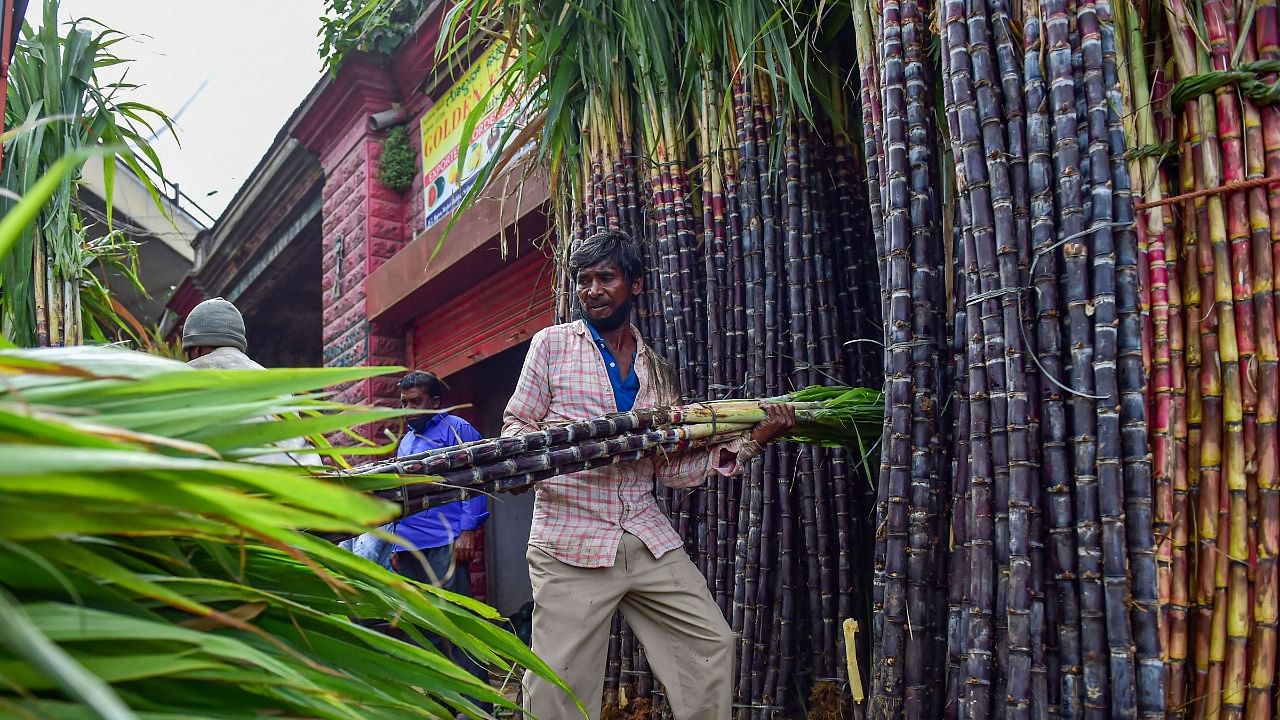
(396,166)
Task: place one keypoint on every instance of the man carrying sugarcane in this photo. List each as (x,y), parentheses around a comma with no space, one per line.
(598,541)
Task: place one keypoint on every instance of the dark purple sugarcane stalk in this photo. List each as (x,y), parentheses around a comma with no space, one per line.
(921,657)
(1122,686)
(613,665)
(774,677)
(1136,467)
(849,298)
(817,315)
(553,461)
(739,615)
(664,267)
(1002,142)
(826,559)
(1084,419)
(1051,47)
(481,452)
(416,498)
(979,518)
(786,581)
(765,583)
(988,452)
(795,267)
(598,203)
(741,207)
(985,167)
(767,321)
(693,285)
(720,580)
(712,236)
(750,326)
(870,69)
(626,671)
(957,559)
(1049,408)
(682,265)
(751,189)
(751,576)
(891,610)
(822,287)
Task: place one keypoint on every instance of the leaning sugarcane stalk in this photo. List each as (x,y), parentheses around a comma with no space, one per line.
(891,624)
(1262,641)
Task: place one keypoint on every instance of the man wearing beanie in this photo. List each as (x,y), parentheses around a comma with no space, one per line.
(213,339)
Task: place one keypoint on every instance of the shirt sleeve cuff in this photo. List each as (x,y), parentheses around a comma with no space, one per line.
(732,456)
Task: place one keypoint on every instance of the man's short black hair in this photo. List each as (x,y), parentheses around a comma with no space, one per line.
(608,246)
(427,382)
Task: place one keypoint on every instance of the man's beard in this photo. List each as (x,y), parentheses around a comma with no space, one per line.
(614,320)
(418,423)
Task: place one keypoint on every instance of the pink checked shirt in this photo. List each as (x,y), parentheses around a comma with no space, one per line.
(579,518)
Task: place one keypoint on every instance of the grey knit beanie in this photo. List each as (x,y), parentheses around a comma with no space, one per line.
(215,323)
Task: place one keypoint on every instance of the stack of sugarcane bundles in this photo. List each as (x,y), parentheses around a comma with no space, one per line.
(722,136)
(1072,227)
(828,416)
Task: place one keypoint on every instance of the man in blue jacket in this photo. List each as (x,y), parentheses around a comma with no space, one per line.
(445,535)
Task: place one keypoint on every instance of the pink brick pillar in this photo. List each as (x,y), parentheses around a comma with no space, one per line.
(363,227)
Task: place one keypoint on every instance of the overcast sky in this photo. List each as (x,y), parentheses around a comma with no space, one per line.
(229,71)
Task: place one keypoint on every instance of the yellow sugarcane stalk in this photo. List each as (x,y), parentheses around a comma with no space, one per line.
(851,660)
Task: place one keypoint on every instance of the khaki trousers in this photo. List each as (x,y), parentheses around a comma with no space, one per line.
(666,601)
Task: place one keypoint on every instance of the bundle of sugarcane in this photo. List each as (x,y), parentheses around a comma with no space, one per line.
(1081,502)
(1041,220)
(1211,248)
(832,416)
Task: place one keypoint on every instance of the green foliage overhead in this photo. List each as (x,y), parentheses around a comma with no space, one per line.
(375,26)
(655,75)
(396,165)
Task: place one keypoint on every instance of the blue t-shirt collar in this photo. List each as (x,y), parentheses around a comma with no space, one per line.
(625,390)
(431,424)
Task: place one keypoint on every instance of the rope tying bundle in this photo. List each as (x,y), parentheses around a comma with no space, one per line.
(1229,187)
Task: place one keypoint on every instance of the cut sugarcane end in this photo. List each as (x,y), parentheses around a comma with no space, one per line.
(851,656)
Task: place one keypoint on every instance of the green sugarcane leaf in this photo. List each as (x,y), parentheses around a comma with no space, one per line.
(23,635)
(191,388)
(25,465)
(73,555)
(110,669)
(14,425)
(38,518)
(21,216)
(42,709)
(427,667)
(247,435)
(69,624)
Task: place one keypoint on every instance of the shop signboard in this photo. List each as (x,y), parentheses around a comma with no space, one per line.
(445,183)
